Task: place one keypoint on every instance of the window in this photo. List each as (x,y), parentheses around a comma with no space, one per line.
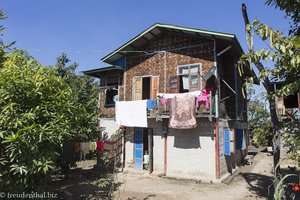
(145,87)
(189,77)
(112,92)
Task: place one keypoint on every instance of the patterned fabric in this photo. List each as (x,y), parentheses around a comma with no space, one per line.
(182,112)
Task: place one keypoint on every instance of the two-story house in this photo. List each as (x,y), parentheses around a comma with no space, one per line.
(197,125)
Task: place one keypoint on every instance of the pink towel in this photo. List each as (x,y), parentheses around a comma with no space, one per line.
(164,101)
(204,98)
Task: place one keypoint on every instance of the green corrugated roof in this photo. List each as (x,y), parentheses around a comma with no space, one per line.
(96,72)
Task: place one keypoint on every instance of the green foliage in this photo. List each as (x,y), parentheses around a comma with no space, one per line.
(291,137)
(292,11)
(84,97)
(284,53)
(35,110)
(259,118)
(102,182)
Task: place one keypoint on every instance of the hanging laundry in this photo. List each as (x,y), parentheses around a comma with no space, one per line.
(77,146)
(100,145)
(151,104)
(182,112)
(172,95)
(204,98)
(84,149)
(164,101)
(92,146)
(132,113)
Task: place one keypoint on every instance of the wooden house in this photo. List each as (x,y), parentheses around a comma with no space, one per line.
(173,59)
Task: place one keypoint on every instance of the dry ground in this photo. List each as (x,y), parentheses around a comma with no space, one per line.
(251,183)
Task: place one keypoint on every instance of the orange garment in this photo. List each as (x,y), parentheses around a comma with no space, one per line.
(77,146)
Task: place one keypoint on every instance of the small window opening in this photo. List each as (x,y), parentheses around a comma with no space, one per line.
(146,88)
(291,101)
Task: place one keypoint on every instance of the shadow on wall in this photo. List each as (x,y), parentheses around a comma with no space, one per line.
(230,163)
(187,141)
(234,160)
(191,138)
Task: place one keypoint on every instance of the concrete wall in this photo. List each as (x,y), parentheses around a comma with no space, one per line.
(110,125)
(129,147)
(191,153)
(158,145)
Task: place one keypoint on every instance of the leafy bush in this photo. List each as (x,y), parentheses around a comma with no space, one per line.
(291,136)
(35,110)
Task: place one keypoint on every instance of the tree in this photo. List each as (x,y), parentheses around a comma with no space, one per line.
(84,97)
(284,53)
(259,119)
(292,11)
(35,110)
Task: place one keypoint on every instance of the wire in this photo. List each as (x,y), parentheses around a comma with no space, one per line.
(147,52)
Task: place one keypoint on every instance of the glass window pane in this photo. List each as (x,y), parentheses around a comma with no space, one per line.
(194,81)
(194,68)
(183,70)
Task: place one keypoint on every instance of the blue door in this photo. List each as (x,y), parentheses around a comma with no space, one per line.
(138,148)
(227,142)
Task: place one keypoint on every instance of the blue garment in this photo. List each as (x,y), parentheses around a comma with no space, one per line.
(151,104)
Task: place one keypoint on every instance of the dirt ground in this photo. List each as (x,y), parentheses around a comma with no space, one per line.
(84,182)
(251,183)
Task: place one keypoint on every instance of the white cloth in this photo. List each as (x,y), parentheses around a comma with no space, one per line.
(132,113)
(84,149)
(172,95)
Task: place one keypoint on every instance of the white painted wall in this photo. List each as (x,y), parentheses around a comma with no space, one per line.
(158,145)
(129,148)
(110,125)
(190,153)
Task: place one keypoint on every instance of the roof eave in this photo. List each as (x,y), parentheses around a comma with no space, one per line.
(204,32)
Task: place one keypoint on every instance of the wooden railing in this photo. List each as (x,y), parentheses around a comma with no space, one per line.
(114,148)
(162,111)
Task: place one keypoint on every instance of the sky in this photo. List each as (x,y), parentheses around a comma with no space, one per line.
(87,30)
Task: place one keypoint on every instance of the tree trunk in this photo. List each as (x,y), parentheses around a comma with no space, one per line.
(274,118)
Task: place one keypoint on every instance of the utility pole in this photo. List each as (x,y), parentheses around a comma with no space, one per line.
(274,117)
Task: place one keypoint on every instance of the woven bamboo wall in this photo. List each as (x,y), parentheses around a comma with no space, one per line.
(142,64)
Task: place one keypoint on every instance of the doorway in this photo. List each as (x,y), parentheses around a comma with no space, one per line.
(146,88)
(143,145)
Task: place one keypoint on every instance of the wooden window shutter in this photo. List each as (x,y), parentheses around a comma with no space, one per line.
(154,87)
(280,105)
(174,84)
(138,86)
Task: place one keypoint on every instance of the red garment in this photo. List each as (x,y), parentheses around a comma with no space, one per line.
(100,145)
(77,146)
